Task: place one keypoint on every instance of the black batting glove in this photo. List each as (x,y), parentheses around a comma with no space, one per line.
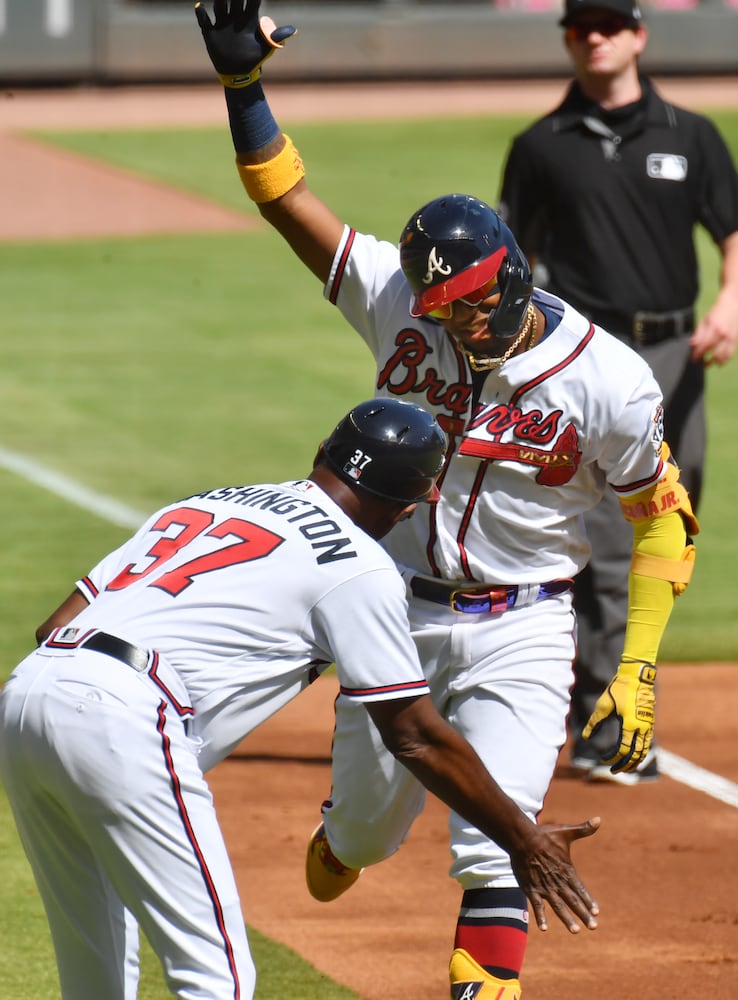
(238,40)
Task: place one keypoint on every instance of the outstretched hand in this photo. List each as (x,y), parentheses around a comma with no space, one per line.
(238,40)
(546,874)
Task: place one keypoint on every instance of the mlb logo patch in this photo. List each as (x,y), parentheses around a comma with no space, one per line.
(67,635)
(352,471)
(666,166)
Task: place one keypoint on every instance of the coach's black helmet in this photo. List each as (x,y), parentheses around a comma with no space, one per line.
(389,447)
(453,246)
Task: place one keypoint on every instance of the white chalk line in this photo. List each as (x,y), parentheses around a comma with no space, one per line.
(120,514)
(62,486)
(684,771)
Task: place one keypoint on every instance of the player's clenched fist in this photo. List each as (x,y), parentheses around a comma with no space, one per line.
(631,698)
(238,40)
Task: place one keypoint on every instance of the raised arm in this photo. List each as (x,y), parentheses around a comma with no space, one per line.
(448,766)
(238,42)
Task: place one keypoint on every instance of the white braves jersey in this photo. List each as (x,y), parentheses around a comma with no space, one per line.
(532,444)
(247,591)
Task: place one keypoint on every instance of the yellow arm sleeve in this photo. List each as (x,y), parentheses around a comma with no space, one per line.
(661,551)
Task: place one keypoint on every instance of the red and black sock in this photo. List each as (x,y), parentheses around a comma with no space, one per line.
(493,929)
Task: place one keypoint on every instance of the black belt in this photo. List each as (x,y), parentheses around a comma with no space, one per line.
(119,649)
(101,642)
(478,599)
(649,327)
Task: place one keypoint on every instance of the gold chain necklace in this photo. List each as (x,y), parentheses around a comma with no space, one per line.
(481,364)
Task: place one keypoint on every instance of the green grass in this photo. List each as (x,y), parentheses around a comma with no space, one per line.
(374,175)
(150,368)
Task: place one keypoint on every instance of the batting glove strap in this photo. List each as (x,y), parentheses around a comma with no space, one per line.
(238,81)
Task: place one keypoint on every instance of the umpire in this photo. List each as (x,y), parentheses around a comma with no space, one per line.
(604,194)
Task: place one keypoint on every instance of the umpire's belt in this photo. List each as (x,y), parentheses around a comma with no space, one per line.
(100,642)
(480,598)
(649,327)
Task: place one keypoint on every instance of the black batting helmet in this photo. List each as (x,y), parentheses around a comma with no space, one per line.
(389,447)
(453,246)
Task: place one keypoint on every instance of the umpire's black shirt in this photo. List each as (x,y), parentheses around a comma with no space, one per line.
(607,201)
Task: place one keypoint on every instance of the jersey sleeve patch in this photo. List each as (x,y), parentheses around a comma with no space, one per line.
(657,429)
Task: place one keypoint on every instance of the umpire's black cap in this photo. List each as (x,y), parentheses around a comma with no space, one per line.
(628,9)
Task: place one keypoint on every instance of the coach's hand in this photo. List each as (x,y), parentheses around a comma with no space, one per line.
(545,873)
(631,698)
(238,40)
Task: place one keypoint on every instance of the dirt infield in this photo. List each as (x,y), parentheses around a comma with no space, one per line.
(663,867)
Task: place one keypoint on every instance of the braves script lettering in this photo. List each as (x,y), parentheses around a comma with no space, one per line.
(402,375)
(405,373)
(557,465)
(531,426)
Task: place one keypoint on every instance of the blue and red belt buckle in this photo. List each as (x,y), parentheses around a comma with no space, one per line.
(491,601)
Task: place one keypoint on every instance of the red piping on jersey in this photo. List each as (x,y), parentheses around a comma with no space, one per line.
(556,369)
(433,513)
(453,429)
(432,536)
(473,497)
(419,686)
(192,838)
(341,267)
(642,484)
(474,493)
(181,710)
(90,585)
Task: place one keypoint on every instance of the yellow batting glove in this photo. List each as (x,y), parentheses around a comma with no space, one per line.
(631,698)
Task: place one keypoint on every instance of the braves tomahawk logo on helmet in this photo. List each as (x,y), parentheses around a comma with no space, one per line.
(435,266)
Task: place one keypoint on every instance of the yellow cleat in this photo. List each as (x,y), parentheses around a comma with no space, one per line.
(469,981)
(326,877)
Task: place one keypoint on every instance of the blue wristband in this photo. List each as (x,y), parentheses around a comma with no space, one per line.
(250,117)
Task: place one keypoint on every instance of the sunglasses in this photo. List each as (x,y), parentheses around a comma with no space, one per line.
(473,299)
(608,26)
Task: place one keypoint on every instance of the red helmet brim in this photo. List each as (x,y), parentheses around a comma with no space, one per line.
(458,285)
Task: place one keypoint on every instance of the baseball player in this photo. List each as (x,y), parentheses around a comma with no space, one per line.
(544,411)
(221,609)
